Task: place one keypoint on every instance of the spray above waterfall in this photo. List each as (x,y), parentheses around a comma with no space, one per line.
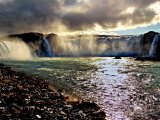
(78,46)
(51,45)
(127,46)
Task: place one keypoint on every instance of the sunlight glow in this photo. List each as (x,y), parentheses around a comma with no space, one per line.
(129,10)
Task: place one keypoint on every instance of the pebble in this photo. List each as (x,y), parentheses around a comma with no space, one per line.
(25,97)
(38,116)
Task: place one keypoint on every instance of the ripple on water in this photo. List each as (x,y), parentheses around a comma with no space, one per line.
(111,88)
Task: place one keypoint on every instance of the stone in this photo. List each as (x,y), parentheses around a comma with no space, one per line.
(38,116)
(21,98)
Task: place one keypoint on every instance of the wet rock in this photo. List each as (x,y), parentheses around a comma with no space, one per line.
(117,57)
(87,105)
(31,37)
(148,58)
(21,98)
(38,116)
(146,42)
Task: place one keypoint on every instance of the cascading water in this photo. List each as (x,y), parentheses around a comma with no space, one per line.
(16,50)
(83,46)
(3,49)
(48,49)
(154,46)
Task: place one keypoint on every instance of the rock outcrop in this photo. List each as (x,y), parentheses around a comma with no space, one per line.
(36,41)
(146,42)
(53,40)
(31,37)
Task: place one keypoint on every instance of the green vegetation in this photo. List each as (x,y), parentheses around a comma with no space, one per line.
(62,72)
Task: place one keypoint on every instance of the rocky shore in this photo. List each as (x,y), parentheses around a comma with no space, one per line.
(23,97)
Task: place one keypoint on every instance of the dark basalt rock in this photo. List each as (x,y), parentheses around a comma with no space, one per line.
(36,41)
(29,98)
(87,105)
(117,57)
(31,37)
(145,46)
(148,59)
(146,42)
(53,40)
(157,55)
(51,37)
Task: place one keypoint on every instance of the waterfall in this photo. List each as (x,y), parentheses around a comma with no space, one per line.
(154,46)
(3,49)
(15,50)
(48,49)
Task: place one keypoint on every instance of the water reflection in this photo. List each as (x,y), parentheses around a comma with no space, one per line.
(112,88)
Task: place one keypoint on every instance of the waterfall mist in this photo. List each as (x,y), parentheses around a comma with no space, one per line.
(14,49)
(53,45)
(77,46)
(88,45)
(81,44)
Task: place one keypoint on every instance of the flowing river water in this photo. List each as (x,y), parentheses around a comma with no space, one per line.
(112,86)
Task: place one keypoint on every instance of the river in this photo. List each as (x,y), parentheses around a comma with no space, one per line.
(114,86)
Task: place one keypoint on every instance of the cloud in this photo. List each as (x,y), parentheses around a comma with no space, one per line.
(41,15)
(19,16)
(107,13)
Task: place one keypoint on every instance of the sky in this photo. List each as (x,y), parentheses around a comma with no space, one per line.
(80,16)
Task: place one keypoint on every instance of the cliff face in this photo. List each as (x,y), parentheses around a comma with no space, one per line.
(146,42)
(35,41)
(158,49)
(31,37)
(141,45)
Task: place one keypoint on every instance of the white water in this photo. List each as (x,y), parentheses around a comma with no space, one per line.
(14,50)
(83,46)
(152,52)
(47,48)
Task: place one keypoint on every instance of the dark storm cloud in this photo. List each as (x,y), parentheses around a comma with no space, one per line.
(108,13)
(29,15)
(25,15)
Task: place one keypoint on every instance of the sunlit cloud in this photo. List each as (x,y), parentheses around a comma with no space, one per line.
(129,10)
(96,16)
(156,8)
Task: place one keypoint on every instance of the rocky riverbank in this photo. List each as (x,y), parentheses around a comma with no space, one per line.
(25,97)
